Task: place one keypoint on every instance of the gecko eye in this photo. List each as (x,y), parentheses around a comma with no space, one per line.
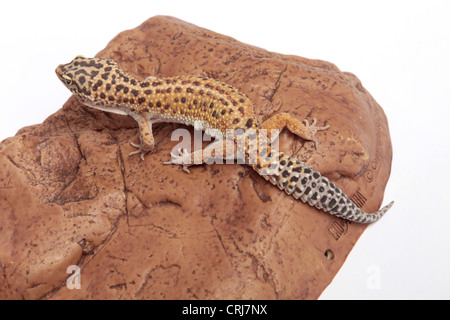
(67,79)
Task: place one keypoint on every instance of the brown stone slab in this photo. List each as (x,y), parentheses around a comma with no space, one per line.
(70,195)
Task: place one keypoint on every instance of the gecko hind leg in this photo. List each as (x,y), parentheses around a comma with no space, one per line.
(305,131)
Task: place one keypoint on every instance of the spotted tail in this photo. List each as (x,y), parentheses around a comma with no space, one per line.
(303,183)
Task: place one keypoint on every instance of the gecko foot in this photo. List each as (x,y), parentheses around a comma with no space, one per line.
(140,150)
(183,158)
(312,130)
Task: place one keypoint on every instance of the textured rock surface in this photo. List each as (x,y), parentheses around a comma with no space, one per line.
(70,195)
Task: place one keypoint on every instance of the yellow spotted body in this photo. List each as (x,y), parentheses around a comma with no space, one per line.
(208,104)
(101,84)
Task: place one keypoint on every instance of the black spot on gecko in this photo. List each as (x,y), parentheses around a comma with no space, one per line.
(108,69)
(108,87)
(96,65)
(145,84)
(235,121)
(135,92)
(141,100)
(105,76)
(297,169)
(249,123)
(133,82)
(82,79)
(332,203)
(148,92)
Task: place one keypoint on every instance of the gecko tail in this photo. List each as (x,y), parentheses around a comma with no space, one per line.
(362,217)
(305,184)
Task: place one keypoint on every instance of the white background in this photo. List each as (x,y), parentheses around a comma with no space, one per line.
(400,50)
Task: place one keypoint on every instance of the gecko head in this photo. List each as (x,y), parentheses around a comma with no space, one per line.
(70,73)
(82,76)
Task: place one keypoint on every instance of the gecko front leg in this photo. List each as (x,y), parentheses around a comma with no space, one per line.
(147,141)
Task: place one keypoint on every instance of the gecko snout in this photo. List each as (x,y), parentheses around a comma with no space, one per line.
(65,78)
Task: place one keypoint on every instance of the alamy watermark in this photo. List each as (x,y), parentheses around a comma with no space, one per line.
(74,280)
(373,281)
